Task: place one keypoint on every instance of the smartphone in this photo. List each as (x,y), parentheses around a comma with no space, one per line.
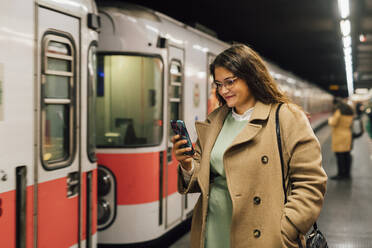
(179,127)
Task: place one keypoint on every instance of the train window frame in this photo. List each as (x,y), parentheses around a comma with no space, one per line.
(146,55)
(69,101)
(180,87)
(171,99)
(91,106)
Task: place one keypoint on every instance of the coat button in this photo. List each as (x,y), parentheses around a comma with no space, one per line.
(256,233)
(257,200)
(264,159)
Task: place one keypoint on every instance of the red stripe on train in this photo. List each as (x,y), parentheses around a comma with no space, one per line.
(94,202)
(94,207)
(137,176)
(57,215)
(29,217)
(8,218)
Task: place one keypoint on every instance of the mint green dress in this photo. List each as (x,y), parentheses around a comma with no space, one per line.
(220,205)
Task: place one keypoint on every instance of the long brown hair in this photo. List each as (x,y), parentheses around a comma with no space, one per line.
(246,64)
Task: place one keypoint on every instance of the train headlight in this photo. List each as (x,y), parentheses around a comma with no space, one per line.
(104,211)
(106,193)
(104,182)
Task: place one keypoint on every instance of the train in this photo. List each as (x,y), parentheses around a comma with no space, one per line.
(153,69)
(87,91)
(48,169)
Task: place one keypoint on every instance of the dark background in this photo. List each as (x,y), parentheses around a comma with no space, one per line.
(301,36)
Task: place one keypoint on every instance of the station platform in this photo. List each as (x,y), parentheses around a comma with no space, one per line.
(346,218)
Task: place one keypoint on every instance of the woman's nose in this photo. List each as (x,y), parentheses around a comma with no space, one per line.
(223,90)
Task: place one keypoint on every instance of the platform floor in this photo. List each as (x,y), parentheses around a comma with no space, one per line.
(346,218)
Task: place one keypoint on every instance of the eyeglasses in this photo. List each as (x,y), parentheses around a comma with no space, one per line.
(228,83)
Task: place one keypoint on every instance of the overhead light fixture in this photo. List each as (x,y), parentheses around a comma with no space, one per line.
(345,27)
(347,51)
(348,57)
(362,38)
(343,6)
(349,78)
(347,41)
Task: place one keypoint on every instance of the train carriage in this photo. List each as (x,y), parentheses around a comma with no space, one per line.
(47,160)
(152,69)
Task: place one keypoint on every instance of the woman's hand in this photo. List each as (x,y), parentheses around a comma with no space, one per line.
(185,160)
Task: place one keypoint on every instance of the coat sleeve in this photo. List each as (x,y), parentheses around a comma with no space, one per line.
(192,186)
(333,120)
(307,179)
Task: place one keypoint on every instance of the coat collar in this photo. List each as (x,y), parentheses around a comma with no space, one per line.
(261,112)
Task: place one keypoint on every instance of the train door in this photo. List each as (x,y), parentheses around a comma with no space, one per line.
(58,160)
(174,200)
(212,101)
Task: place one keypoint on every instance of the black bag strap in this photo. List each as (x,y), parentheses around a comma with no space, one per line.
(315,226)
(359,122)
(278,137)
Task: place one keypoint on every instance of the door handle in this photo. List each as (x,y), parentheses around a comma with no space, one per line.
(169,154)
(72,184)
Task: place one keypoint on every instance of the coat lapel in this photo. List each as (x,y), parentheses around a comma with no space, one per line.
(207,133)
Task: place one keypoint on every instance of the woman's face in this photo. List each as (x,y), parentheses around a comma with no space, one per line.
(237,94)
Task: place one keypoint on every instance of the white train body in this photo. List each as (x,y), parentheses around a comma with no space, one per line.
(47,182)
(151,69)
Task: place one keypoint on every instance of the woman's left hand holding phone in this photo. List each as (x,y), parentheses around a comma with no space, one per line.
(185,160)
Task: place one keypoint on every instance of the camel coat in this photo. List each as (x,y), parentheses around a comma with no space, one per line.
(341,131)
(253,174)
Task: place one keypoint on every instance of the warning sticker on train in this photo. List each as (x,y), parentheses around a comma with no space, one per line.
(1,92)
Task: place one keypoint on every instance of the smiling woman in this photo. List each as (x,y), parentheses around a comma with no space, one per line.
(237,167)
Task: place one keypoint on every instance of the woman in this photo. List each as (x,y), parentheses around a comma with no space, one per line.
(342,139)
(237,168)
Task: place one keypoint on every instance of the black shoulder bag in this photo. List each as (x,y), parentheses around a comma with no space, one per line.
(357,127)
(315,239)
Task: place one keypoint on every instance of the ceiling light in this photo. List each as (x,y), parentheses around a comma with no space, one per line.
(362,38)
(347,41)
(345,27)
(347,51)
(348,57)
(343,6)
(349,79)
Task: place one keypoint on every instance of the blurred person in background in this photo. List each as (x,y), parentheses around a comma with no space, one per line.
(341,122)
(359,108)
(368,111)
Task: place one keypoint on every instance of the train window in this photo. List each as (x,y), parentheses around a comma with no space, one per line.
(57,86)
(175,92)
(56,124)
(130,112)
(58,48)
(57,117)
(92,81)
(59,65)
